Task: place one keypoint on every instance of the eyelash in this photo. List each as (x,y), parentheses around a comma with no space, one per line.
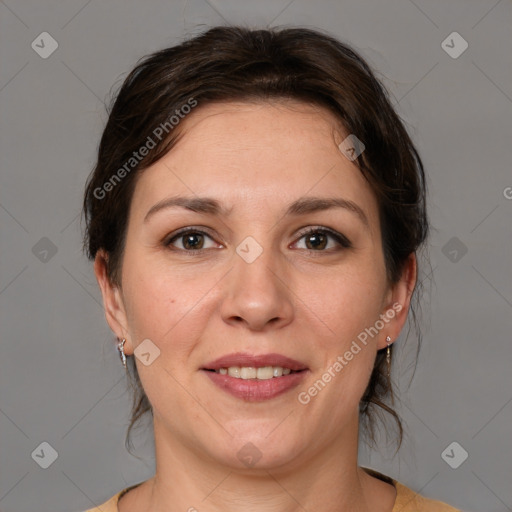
(342,240)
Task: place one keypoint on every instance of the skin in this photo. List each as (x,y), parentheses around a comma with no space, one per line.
(297,299)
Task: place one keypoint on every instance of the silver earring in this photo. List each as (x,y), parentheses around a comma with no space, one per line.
(388,355)
(120,347)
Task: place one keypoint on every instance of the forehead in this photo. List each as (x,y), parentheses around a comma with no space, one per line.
(249,154)
(264,127)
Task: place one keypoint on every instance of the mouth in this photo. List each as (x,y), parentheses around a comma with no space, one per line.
(251,372)
(255,378)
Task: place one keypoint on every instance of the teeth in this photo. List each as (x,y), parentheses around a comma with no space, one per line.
(267,372)
(250,372)
(234,371)
(247,372)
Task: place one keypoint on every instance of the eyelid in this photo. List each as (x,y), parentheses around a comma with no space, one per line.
(340,238)
(167,241)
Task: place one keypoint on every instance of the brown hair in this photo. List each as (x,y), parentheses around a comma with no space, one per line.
(232,64)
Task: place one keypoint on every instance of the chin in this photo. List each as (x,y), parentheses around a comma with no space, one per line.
(258,450)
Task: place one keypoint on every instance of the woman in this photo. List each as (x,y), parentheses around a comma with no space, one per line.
(254,218)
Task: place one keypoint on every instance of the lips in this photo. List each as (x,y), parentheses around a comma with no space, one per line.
(290,373)
(242,359)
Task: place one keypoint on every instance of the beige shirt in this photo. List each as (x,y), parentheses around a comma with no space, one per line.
(406,499)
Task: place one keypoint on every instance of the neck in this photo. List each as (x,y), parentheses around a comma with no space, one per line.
(188,480)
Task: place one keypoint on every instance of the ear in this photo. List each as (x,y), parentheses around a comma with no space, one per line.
(397,302)
(113,304)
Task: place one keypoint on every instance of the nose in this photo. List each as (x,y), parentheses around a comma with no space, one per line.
(258,295)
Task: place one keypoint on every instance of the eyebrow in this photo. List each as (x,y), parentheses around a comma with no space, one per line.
(195,204)
(301,206)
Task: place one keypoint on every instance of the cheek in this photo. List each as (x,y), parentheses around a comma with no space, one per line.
(345,304)
(171,314)
(168,307)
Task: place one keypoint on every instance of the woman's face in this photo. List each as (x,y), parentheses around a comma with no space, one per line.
(269,270)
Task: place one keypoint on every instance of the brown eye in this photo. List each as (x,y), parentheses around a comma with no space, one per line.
(190,240)
(193,241)
(316,241)
(319,240)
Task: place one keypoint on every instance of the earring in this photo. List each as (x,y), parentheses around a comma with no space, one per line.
(120,347)
(388,355)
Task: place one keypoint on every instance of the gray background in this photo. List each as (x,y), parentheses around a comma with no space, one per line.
(61,380)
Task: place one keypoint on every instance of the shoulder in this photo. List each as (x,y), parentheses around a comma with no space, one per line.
(406,499)
(108,506)
(409,501)
(111,504)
